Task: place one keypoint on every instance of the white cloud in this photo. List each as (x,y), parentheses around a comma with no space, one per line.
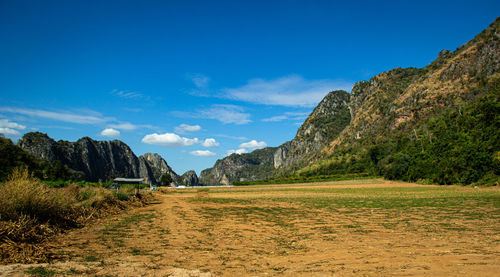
(9,131)
(168,139)
(210,142)
(223,113)
(237,151)
(5,123)
(110,132)
(91,117)
(202,153)
(253,144)
(183,128)
(292,90)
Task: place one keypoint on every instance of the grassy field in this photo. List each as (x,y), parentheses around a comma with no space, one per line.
(360,227)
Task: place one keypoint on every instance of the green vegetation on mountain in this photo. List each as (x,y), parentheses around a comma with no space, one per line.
(438,124)
(259,164)
(13,157)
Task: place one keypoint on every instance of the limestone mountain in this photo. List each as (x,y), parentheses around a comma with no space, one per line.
(438,123)
(97,160)
(324,124)
(326,121)
(258,164)
(152,166)
(189,178)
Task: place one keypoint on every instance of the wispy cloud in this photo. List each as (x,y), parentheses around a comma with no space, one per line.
(168,139)
(275,118)
(200,81)
(287,116)
(224,113)
(227,114)
(184,128)
(127,126)
(292,91)
(129,94)
(202,153)
(110,132)
(64,116)
(231,137)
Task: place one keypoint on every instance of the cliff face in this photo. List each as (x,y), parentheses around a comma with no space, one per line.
(189,178)
(258,164)
(97,160)
(153,166)
(324,124)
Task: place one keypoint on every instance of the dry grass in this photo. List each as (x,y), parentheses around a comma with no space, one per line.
(31,212)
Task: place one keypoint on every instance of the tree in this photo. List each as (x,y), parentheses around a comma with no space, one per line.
(166,180)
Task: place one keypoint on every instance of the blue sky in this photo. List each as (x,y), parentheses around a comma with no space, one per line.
(196,80)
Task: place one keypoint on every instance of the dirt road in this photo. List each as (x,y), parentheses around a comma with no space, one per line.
(209,234)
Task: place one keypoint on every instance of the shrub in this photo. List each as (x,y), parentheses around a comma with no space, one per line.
(24,195)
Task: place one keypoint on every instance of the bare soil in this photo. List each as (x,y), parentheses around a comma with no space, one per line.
(194,234)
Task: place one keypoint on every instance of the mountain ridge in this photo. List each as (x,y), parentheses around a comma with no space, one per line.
(395,116)
(100,160)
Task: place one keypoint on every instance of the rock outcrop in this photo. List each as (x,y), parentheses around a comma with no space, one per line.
(256,165)
(189,178)
(153,166)
(324,124)
(97,160)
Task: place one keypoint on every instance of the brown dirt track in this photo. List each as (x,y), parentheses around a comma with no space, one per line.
(264,231)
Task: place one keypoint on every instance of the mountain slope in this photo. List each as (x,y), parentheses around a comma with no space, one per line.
(324,124)
(405,122)
(438,123)
(258,164)
(326,121)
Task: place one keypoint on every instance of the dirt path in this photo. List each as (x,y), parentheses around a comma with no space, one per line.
(180,237)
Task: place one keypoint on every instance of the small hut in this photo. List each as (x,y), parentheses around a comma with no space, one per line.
(136,181)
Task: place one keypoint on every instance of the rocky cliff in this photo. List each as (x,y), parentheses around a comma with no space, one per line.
(323,125)
(152,166)
(258,164)
(97,160)
(189,178)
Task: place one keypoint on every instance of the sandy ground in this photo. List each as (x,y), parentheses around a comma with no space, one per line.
(177,236)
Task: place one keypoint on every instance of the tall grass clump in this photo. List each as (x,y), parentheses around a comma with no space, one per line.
(24,195)
(31,212)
